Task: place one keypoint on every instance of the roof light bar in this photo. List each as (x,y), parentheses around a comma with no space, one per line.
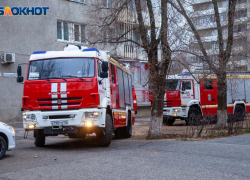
(39,52)
(91,49)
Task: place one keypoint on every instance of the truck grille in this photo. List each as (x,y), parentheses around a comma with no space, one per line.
(62,104)
(50,99)
(61,116)
(70,101)
(168,103)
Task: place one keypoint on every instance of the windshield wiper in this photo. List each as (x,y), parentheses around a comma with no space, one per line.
(70,76)
(55,78)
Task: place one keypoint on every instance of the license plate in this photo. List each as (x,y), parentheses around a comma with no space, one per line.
(59,123)
(165,113)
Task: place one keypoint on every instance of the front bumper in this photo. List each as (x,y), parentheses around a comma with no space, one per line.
(174,112)
(64,118)
(11,141)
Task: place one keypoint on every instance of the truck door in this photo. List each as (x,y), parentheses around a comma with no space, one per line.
(187,91)
(101,82)
(208,99)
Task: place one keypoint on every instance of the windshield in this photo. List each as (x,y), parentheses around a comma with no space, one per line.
(61,68)
(172,84)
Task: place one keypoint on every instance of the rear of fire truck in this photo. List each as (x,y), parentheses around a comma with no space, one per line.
(66,92)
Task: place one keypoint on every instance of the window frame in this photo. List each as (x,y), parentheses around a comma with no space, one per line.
(71,32)
(29,66)
(79,1)
(139,81)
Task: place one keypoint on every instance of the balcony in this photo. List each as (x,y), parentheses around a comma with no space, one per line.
(131,52)
(199,1)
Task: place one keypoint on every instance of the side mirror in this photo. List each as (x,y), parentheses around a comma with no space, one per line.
(19,79)
(105,66)
(104,75)
(19,70)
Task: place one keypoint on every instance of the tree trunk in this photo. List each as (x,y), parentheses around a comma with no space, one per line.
(222,100)
(155,126)
(157,83)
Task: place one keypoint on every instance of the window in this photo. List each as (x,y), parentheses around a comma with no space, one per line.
(240,14)
(99,68)
(241,1)
(223,17)
(240,28)
(208,84)
(186,85)
(61,68)
(212,18)
(214,32)
(79,1)
(172,84)
(71,32)
(136,74)
(211,6)
(225,4)
(76,32)
(62,31)
(224,31)
(112,73)
(107,3)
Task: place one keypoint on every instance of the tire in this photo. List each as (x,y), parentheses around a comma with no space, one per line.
(118,133)
(39,137)
(127,131)
(169,122)
(194,116)
(105,135)
(239,113)
(3,147)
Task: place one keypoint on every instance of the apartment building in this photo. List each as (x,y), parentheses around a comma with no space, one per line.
(65,22)
(204,20)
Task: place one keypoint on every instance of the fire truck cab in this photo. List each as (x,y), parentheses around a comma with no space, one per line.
(76,92)
(191,97)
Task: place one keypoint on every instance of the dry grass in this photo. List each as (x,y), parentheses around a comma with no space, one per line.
(205,130)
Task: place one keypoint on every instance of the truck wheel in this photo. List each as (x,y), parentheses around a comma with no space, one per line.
(239,113)
(39,137)
(118,133)
(194,116)
(105,136)
(127,131)
(170,122)
(3,147)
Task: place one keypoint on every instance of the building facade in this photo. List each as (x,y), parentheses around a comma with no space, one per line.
(205,22)
(65,22)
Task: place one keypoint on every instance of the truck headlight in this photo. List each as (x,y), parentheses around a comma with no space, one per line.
(91,115)
(176,110)
(89,123)
(29,117)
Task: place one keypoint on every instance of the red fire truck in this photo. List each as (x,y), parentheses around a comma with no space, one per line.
(190,98)
(77,92)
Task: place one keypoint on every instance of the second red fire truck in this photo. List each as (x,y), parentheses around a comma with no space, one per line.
(190,98)
(77,92)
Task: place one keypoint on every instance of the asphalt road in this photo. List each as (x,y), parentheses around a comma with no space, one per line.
(63,158)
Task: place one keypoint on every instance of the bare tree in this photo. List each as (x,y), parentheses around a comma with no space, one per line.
(223,55)
(149,19)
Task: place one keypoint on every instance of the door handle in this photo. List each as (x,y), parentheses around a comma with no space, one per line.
(213,99)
